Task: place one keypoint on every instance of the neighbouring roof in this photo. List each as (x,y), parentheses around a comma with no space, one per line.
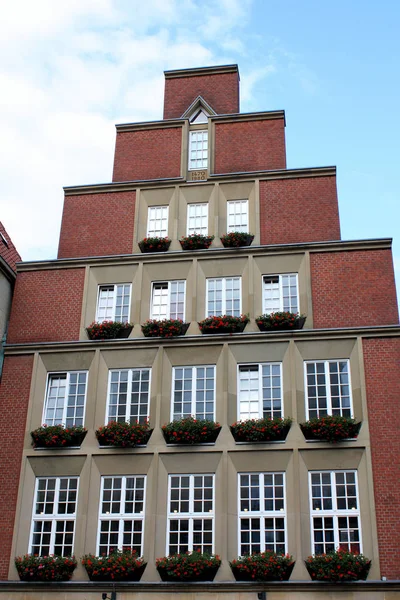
(7,249)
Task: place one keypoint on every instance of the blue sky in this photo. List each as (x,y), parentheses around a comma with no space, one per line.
(70,71)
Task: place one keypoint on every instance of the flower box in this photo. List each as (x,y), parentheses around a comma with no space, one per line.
(108,330)
(261,430)
(340,565)
(154,244)
(191,431)
(165,328)
(118,566)
(192,566)
(224,324)
(124,435)
(330,428)
(196,241)
(263,566)
(236,239)
(57,436)
(279,321)
(45,568)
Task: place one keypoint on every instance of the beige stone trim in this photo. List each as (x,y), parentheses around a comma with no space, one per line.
(165,124)
(255,116)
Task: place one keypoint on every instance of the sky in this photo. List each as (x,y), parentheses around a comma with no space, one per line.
(70,70)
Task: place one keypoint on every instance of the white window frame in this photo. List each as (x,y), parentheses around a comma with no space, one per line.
(289,305)
(335,513)
(168,285)
(224,299)
(328,410)
(157,214)
(260,414)
(194,381)
(65,418)
(113,311)
(128,416)
(122,516)
(190,515)
(54,517)
(233,215)
(198,164)
(202,207)
(262,514)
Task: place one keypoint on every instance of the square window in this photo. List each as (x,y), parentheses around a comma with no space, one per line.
(280,293)
(168,300)
(113,303)
(224,296)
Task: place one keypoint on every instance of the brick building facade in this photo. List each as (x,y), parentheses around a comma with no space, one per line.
(211,169)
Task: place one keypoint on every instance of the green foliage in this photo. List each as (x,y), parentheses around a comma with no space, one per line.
(119,565)
(224,324)
(263,566)
(340,565)
(124,435)
(196,241)
(107,329)
(280,320)
(154,244)
(191,431)
(188,567)
(330,428)
(235,239)
(57,436)
(261,430)
(45,568)
(165,328)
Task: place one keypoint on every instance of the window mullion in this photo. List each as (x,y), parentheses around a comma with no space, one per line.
(223,295)
(194,388)
(260,393)
(168,314)
(328,388)
(280,284)
(115,293)
(67,384)
(129,397)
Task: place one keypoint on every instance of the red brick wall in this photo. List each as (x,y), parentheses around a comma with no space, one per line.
(351,289)
(382,366)
(47,306)
(220,91)
(97,225)
(148,154)
(299,210)
(250,146)
(14,397)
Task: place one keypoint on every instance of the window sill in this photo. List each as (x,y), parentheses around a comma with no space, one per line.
(260,443)
(57,448)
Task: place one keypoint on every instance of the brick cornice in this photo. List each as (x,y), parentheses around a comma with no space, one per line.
(128,186)
(304,335)
(217,70)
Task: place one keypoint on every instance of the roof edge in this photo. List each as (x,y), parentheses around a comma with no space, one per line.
(197,71)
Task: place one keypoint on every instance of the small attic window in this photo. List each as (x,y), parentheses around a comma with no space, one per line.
(3,239)
(199,117)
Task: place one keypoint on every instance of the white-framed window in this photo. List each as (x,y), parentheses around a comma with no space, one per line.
(128,397)
(260,391)
(157,221)
(197,218)
(168,300)
(53,516)
(335,513)
(65,399)
(280,293)
(113,302)
(193,392)
(262,513)
(224,296)
(121,514)
(198,149)
(328,388)
(238,215)
(190,513)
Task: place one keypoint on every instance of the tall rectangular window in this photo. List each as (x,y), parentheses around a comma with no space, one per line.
(260,391)
(238,215)
(121,515)
(128,395)
(335,512)
(224,296)
(198,149)
(328,388)
(65,399)
(157,221)
(113,302)
(168,300)
(54,514)
(197,218)
(190,513)
(193,392)
(280,293)
(262,513)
